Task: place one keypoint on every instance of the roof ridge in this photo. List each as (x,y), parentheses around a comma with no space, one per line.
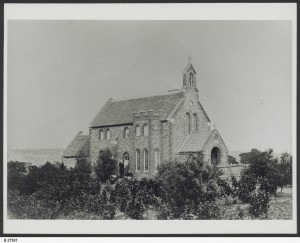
(151,96)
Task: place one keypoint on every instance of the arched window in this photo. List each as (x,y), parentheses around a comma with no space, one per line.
(146,160)
(137,131)
(138,160)
(191,79)
(101,134)
(195,122)
(156,159)
(126,132)
(108,134)
(215,156)
(145,130)
(187,123)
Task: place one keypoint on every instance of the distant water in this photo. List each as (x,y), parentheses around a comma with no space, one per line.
(35,156)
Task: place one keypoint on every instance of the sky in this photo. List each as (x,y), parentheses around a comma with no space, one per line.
(60,74)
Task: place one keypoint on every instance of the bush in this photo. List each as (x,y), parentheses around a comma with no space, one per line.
(164,212)
(105,165)
(259,204)
(245,186)
(135,207)
(30,207)
(207,210)
(16,174)
(191,182)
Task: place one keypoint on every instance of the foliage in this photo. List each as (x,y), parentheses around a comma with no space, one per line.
(135,196)
(285,173)
(245,186)
(190,190)
(231,160)
(193,181)
(31,207)
(106,165)
(265,168)
(135,207)
(15,175)
(259,204)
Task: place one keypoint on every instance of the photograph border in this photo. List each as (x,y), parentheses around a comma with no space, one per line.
(131,235)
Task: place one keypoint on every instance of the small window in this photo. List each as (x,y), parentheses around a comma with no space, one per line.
(101,134)
(187,123)
(108,134)
(137,131)
(145,130)
(156,159)
(146,160)
(191,79)
(195,122)
(138,160)
(126,132)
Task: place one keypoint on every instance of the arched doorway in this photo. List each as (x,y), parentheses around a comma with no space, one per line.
(215,156)
(125,156)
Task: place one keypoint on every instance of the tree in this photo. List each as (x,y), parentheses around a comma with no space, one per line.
(193,182)
(16,173)
(285,170)
(268,171)
(105,166)
(232,160)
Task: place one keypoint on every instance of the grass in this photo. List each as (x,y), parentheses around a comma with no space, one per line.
(280,207)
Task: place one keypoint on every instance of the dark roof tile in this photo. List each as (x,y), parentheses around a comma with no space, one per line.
(121,111)
(79,146)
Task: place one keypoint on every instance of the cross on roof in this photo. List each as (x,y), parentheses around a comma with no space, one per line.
(190,59)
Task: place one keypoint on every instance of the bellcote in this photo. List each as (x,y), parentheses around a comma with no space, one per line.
(189,78)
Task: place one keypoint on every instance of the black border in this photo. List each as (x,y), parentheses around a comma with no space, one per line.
(136,235)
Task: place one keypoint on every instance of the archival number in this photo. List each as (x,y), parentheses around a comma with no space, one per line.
(10,240)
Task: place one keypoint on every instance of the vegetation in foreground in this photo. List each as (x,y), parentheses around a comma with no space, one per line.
(190,190)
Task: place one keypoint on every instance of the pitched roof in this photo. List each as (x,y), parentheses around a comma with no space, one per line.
(79,146)
(195,141)
(121,111)
(188,67)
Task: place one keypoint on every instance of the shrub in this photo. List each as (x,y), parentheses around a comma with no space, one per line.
(245,186)
(30,207)
(192,181)
(135,207)
(164,212)
(207,210)
(259,204)
(105,165)
(16,175)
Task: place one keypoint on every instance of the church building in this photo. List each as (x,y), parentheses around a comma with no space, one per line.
(150,131)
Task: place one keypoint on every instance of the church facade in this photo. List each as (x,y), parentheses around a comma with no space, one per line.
(150,131)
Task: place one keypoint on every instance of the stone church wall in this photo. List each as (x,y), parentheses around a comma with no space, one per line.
(215,142)
(117,138)
(179,130)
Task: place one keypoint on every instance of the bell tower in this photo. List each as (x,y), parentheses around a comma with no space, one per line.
(189,77)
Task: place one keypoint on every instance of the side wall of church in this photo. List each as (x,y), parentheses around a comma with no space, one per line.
(165,126)
(117,139)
